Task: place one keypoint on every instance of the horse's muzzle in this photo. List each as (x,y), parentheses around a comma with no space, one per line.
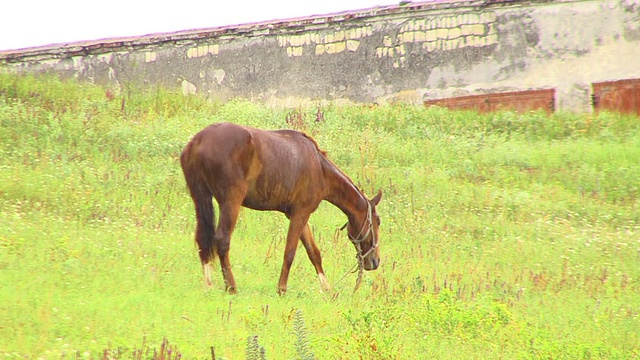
(371,263)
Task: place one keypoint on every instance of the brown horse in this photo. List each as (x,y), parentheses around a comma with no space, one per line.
(281,170)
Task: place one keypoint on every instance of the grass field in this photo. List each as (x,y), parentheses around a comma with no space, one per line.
(503,236)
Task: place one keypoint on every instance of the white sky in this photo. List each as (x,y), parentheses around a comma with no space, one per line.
(26,23)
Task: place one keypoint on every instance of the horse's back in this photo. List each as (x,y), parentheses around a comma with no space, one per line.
(223,141)
(276,167)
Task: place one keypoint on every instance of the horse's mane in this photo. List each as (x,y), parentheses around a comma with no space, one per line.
(324,153)
(326,158)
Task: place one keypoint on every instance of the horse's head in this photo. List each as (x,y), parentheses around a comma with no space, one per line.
(364,235)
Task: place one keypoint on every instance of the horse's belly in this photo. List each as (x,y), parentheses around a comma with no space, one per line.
(277,196)
(262,204)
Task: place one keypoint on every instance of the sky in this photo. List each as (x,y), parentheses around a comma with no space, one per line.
(28,23)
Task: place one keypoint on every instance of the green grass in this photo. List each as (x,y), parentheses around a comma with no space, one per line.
(503,235)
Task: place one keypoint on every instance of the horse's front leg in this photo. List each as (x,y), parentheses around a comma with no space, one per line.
(296,226)
(314,256)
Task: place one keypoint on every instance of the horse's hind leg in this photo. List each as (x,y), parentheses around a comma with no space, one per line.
(228,217)
(314,255)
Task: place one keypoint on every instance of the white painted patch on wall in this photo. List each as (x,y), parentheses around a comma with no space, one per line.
(188,88)
(202,50)
(150,56)
(219,75)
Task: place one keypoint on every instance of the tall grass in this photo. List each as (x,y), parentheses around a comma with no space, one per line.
(503,235)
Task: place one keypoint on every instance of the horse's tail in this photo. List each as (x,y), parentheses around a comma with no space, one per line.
(202,199)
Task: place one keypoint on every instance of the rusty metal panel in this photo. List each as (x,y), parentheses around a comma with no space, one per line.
(621,96)
(520,101)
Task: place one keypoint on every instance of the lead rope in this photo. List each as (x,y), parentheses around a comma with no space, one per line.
(360,270)
(359,267)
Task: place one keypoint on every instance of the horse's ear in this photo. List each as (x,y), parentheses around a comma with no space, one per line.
(376,199)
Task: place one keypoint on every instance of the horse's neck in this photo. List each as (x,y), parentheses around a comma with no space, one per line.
(342,193)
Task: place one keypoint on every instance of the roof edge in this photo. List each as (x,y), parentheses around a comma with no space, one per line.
(76,48)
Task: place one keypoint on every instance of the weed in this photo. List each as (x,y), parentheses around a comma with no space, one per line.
(302,341)
(254,350)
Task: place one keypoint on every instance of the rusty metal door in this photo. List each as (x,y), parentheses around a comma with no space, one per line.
(621,96)
(520,101)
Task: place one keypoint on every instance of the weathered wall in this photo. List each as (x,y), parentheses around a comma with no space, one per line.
(420,51)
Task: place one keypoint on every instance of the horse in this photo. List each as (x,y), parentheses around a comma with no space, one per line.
(271,170)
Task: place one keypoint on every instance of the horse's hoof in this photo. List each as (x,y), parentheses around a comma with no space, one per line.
(324,284)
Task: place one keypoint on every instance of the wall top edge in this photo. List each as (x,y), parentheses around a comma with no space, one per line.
(80,48)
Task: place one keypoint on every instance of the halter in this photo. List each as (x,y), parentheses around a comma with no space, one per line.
(358,240)
(362,236)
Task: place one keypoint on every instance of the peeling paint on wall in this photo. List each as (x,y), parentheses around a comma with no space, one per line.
(202,50)
(328,42)
(442,34)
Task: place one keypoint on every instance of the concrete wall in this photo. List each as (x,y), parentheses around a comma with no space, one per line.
(411,53)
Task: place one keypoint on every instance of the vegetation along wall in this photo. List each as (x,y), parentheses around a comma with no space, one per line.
(416,52)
